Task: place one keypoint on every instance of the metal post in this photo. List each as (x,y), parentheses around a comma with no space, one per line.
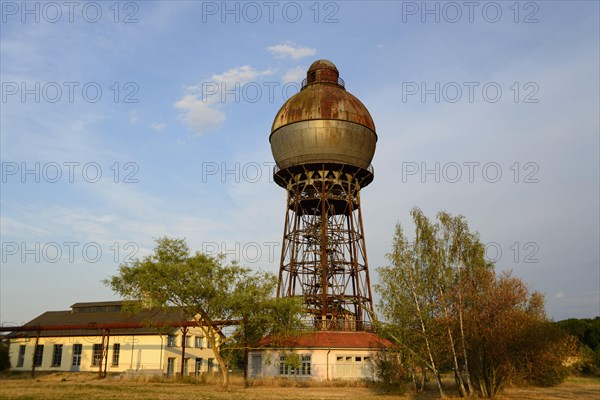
(184,331)
(37,340)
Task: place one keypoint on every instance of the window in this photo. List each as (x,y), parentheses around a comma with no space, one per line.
(210,364)
(185,341)
(302,367)
(171,341)
(198,341)
(116,353)
(21,359)
(305,367)
(256,365)
(57,355)
(96,354)
(38,355)
(77,349)
(208,344)
(352,366)
(198,365)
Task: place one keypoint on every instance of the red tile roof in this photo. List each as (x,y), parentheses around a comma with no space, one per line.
(329,339)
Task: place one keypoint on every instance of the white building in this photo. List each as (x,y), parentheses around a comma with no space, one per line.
(147,342)
(324,355)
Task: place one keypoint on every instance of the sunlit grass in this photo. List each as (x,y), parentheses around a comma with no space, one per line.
(76,386)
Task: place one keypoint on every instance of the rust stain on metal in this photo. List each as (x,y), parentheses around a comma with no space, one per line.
(323,98)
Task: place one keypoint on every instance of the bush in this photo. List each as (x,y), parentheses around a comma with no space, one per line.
(390,374)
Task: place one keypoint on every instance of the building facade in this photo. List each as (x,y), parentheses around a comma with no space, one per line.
(324,355)
(147,342)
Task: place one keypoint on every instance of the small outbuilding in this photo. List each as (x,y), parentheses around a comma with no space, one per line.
(323,355)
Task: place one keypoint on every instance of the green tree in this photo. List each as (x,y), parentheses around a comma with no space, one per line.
(446,307)
(207,289)
(422,292)
(587,333)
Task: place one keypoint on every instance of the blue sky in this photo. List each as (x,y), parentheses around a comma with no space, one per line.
(122,122)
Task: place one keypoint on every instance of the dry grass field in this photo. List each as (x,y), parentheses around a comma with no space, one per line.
(65,386)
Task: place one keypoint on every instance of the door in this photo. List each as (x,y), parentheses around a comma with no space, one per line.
(76,360)
(198,368)
(170,366)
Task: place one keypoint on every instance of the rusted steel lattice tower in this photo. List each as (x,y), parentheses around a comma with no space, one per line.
(323,140)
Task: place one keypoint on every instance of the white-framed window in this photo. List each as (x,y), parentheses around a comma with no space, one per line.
(116,353)
(305,364)
(198,341)
(21,359)
(96,354)
(57,355)
(171,341)
(346,359)
(256,365)
(286,367)
(185,341)
(38,355)
(77,350)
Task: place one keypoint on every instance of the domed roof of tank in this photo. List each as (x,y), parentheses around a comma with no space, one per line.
(323,96)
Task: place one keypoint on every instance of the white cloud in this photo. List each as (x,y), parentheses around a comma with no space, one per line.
(295,74)
(241,75)
(290,49)
(157,126)
(198,114)
(200,101)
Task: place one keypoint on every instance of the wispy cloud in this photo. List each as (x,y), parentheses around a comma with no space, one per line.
(198,114)
(241,75)
(158,126)
(200,103)
(290,49)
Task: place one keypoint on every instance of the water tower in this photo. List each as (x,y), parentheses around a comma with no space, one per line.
(323,140)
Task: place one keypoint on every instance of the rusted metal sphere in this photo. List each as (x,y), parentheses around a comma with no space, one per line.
(323,123)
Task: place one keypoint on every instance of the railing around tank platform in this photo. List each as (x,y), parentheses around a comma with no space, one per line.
(340,82)
(276,169)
